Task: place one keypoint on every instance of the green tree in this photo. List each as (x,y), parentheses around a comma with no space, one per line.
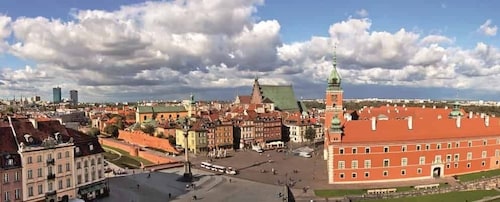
(171,139)
(161,135)
(119,124)
(93,132)
(149,129)
(112,130)
(310,134)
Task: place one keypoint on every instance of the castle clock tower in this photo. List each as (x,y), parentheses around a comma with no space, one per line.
(333,99)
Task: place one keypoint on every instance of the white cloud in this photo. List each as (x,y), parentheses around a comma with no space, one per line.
(158,49)
(488,29)
(362,13)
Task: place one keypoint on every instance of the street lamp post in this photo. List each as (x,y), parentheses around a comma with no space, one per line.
(188,176)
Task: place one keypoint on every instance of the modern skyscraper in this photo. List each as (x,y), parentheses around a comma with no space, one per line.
(56,92)
(73,95)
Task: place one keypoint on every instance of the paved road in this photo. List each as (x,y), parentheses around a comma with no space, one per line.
(208,187)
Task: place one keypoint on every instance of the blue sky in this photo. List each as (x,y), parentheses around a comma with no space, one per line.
(291,40)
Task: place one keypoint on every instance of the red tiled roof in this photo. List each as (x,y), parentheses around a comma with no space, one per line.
(8,143)
(83,141)
(422,129)
(244,99)
(401,112)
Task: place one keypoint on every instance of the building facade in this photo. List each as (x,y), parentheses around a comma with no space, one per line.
(197,138)
(10,167)
(89,167)
(56,95)
(73,95)
(47,163)
(160,114)
(380,149)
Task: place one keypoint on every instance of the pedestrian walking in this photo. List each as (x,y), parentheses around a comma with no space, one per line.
(138,186)
(169,195)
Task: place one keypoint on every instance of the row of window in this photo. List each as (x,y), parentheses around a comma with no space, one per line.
(50,187)
(86,176)
(6,177)
(418,147)
(39,158)
(49,171)
(404,161)
(385,173)
(86,163)
(17,195)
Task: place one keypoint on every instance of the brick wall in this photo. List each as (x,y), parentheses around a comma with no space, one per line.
(140,138)
(113,143)
(155,158)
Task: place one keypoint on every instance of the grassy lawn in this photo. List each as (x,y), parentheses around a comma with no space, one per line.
(479,175)
(338,192)
(452,196)
(110,155)
(343,192)
(126,160)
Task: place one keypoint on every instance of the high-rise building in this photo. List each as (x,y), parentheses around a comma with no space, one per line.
(56,93)
(73,95)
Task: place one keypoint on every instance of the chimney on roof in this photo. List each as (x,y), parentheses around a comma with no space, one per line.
(410,123)
(423,106)
(439,117)
(446,107)
(404,105)
(433,106)
(471,114)
(388,111)
(374,123)
(395,105)
(458,121)
(34,122)
(387,105)
(397,110)
(406,109)
(482,115)
(369,111)
(487,121)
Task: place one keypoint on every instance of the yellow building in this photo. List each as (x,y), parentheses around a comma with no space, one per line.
(197,139)
(160,113)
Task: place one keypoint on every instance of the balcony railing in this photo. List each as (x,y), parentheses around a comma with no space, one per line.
(50,161)
(51,176)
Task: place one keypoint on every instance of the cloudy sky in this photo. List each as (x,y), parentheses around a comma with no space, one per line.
(134,50)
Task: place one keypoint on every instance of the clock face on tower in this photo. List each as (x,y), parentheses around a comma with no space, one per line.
(334,100)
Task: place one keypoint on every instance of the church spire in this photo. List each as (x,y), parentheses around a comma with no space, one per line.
(334,78)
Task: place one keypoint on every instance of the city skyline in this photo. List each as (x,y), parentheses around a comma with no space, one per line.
(152,51)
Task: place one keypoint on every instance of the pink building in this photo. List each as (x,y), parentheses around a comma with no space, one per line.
(10,166)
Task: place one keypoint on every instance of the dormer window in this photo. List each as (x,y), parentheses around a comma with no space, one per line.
(10,162)
(77,149)
(91,147)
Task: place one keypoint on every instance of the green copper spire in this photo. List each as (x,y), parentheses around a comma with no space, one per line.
(335,125)
(455,112)
(192,99)
(334,78)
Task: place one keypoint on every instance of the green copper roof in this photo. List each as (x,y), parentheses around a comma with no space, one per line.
(335,126)
(160,109)
(192,99)
(456,110)
(145,109)
(334,79)
(282,96)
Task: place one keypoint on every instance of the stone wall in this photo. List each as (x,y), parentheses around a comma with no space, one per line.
(145,140)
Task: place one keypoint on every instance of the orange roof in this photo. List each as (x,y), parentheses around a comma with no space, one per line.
(422,129)
(244,99)
(402,112)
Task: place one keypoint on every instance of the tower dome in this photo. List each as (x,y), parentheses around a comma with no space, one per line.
(334,79)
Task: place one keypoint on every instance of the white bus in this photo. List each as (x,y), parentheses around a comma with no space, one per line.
(221,169)
(206,165)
